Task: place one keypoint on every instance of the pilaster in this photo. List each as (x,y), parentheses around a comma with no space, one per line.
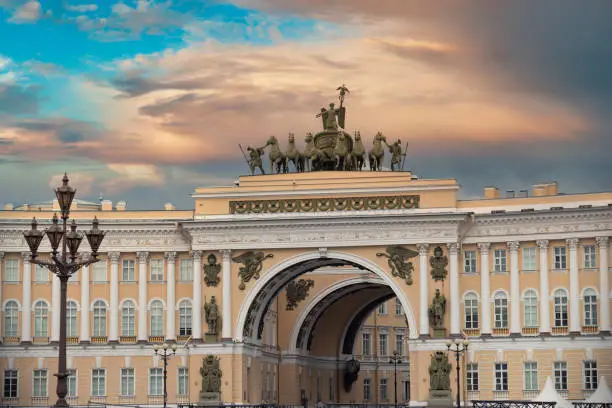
(142,296)
(604,286)
(485,289)
(113,330)
(226,282)
(544,290)
(170,296)
(197,296)
(423,291)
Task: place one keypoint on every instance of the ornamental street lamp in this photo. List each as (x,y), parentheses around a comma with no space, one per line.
(395,359)
(64,265)
(165,354)
(456,348)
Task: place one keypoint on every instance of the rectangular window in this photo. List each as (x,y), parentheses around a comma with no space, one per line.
(529,259)
(530,369)
(406,390)
(41,274)
(99,272)
(590,375)
(40,383)
(127,382)
(590,258)
(560,258)
(501,376)
(157,270)
(183,381)
(186,270)
(11,384)
(471,312)
(384,395)
(590,308)
(129,266)
(366,344)
(382,344)
(560,373)
(382,308)
(155,381)
(499,260)
(399,344)
(366,389)
(98,382)
(472,376)
(72,383)
(11,270)
(469,261)
(399,310)
(332,396)
(501,313)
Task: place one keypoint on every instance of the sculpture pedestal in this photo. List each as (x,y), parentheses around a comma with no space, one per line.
(209,399)
(440,399)
(211,338)
(439,333)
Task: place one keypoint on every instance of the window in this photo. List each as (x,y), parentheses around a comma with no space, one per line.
(99,272)
(382,308)
(157,270)
(39,386)
(11,319)
(11,384)
(155,381)
(499,260)
(71,319)
(471,311)
(399,310)
(41,274)
(472,376)
(469,261)
(530,369)
(384,395)
(366,344)
(501,376)
(530,308)
(560,299)
(399,344)
(185,318)
(183,381)
(529,259)
(382,344)
(128,270)
(41,319)
(332,395)
(367,392)
(186,270)
(98,382)
(99,319)
(72,383)
(560,373)
(128,318)
(11,270)
(157,318)
(406,390)
(590,375)
(590,308)
(560,258)
(501,311)
(590,258)
(127,382)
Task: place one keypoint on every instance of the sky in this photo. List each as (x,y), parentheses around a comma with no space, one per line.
(145,100)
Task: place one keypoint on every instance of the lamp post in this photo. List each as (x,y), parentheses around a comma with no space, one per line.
(165,354)
(458,349)
(63,264)
(395,359)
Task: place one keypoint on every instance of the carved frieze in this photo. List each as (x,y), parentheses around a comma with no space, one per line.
(252,264)
(398,260)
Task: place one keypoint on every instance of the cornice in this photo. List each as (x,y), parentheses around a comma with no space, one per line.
(544,216)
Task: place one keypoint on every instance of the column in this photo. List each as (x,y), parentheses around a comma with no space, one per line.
(170,296)
(143,335)
(55,307)
(544,301)
(515,291)
(604,288)
(485,289)
(113,330)
(26,299)
(423,291)
(197,295)
(574,297)
(84,336)
(226,282)
(455,298)
(1,277)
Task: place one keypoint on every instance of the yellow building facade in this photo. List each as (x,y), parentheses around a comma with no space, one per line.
(527,282)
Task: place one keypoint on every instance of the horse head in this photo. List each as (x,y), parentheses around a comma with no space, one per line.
(272,140)
(291,138)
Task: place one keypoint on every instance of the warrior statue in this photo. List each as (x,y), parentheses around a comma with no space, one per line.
(212,315)
(437,310)
(255,162)
(396,154)
(439,372)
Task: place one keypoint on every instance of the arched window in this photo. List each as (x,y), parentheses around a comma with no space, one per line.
(71,319)
(11,319)
(128,318)
(501,310)
(41,319)
(530,308)
(560,299)
(99,319)
(157,318)
(590,308)
(471,311)
(185,318)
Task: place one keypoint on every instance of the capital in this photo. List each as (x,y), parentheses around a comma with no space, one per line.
(114,256)
(196,254)
(170,256)
(26,256)
(513,246)
(226,254)
(142,256)
(572,242)
(453,248)
(542,244)
(422,249)
(484,247)
(601,241)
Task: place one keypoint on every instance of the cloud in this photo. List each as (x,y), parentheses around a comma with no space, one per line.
(83,182)
(132,175)
(18,100)
(81,8)
(29,12)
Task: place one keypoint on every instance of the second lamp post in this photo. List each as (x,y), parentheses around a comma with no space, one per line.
(458,349)
(165,354)
(395,359)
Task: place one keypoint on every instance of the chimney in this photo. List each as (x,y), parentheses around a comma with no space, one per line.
(9,207)
(121,206)
(106,205)
(545,189)
(169,207)
(553,188)
(491,193)
(510,194)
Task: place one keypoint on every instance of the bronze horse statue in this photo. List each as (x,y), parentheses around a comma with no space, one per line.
(294,156)
(277,158)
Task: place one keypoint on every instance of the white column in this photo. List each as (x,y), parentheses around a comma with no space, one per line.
(84,332)
(113,331)
(142,296)
(544,301)
(197,295)
(455,298)
(485,289)
(604,315)
(515,291)
(170,296)
(55,307)
(574,296)
(226,282)
(423,291)
(26,299)
(1,277)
